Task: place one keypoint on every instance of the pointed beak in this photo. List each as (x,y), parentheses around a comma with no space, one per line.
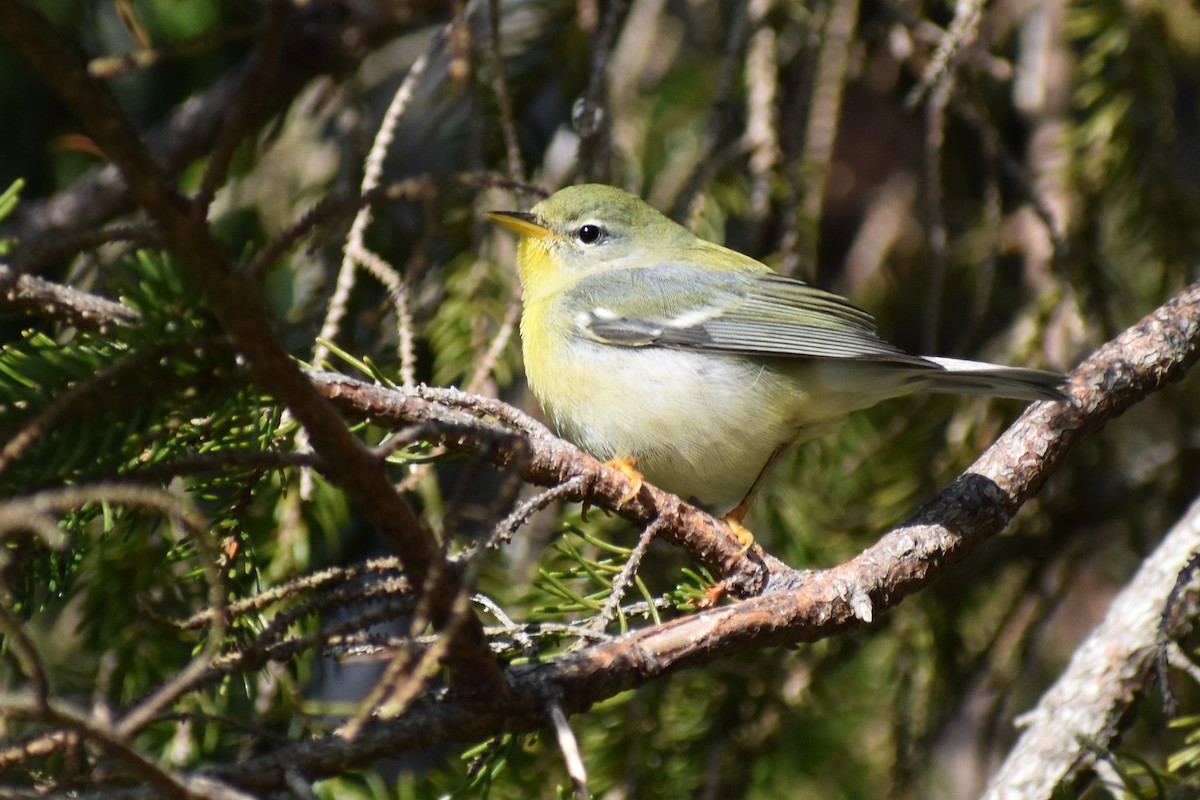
(521,222)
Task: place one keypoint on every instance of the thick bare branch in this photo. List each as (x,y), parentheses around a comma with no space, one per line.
(1158,349)
(1108,672)
(550,461)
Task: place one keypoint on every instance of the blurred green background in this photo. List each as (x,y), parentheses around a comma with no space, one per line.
(1008,181)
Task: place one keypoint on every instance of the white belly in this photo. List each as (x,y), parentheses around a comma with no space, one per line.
(695,424)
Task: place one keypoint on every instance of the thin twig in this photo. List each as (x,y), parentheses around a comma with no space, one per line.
(829,88)
(523,639)
(591,120)
(68,401)
(240,115)
(196,531)
(624,579)
(40,254)
(372,171)
(406,676)
(375,568)
(118,743)
(512,146)
(43,298)
(718,119)
(222,461)
(483,369)
(503,532)
(973,114)
(333,208)
(1168,621)
(568,745)
(146,57)
(962,33)
(26,654)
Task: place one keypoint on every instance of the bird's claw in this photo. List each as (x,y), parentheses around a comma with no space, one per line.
(628,467)
(741,533)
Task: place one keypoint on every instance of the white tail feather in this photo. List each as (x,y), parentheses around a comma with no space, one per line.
(978,377)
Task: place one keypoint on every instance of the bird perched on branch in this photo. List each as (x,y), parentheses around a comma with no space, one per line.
(692,364)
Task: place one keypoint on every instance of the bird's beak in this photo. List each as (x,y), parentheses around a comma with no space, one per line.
(521,222)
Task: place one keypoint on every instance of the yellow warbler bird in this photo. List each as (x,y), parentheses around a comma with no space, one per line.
(696,365)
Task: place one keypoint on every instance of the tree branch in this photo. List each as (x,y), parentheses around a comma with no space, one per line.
(44,298)
(1083,710)
(1158,349)
(550,461)
(319,39)
(237,305)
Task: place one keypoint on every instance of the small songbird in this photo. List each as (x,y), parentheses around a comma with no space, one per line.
(692,364)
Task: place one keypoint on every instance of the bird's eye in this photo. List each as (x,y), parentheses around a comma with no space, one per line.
(590,234)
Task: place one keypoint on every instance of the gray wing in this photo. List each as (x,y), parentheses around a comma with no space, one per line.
(752,313)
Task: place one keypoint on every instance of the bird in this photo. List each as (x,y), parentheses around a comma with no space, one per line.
(692,366)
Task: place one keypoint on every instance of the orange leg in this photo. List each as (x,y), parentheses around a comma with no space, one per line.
(628,466)
(734,520)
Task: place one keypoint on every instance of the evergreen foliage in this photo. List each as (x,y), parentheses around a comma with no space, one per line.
(187,584)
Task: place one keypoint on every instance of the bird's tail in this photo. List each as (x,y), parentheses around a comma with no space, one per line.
(958,376)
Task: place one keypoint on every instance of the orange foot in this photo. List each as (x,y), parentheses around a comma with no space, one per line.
(744,536)
(628,466)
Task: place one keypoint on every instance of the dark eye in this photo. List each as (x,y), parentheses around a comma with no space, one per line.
(590,234)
